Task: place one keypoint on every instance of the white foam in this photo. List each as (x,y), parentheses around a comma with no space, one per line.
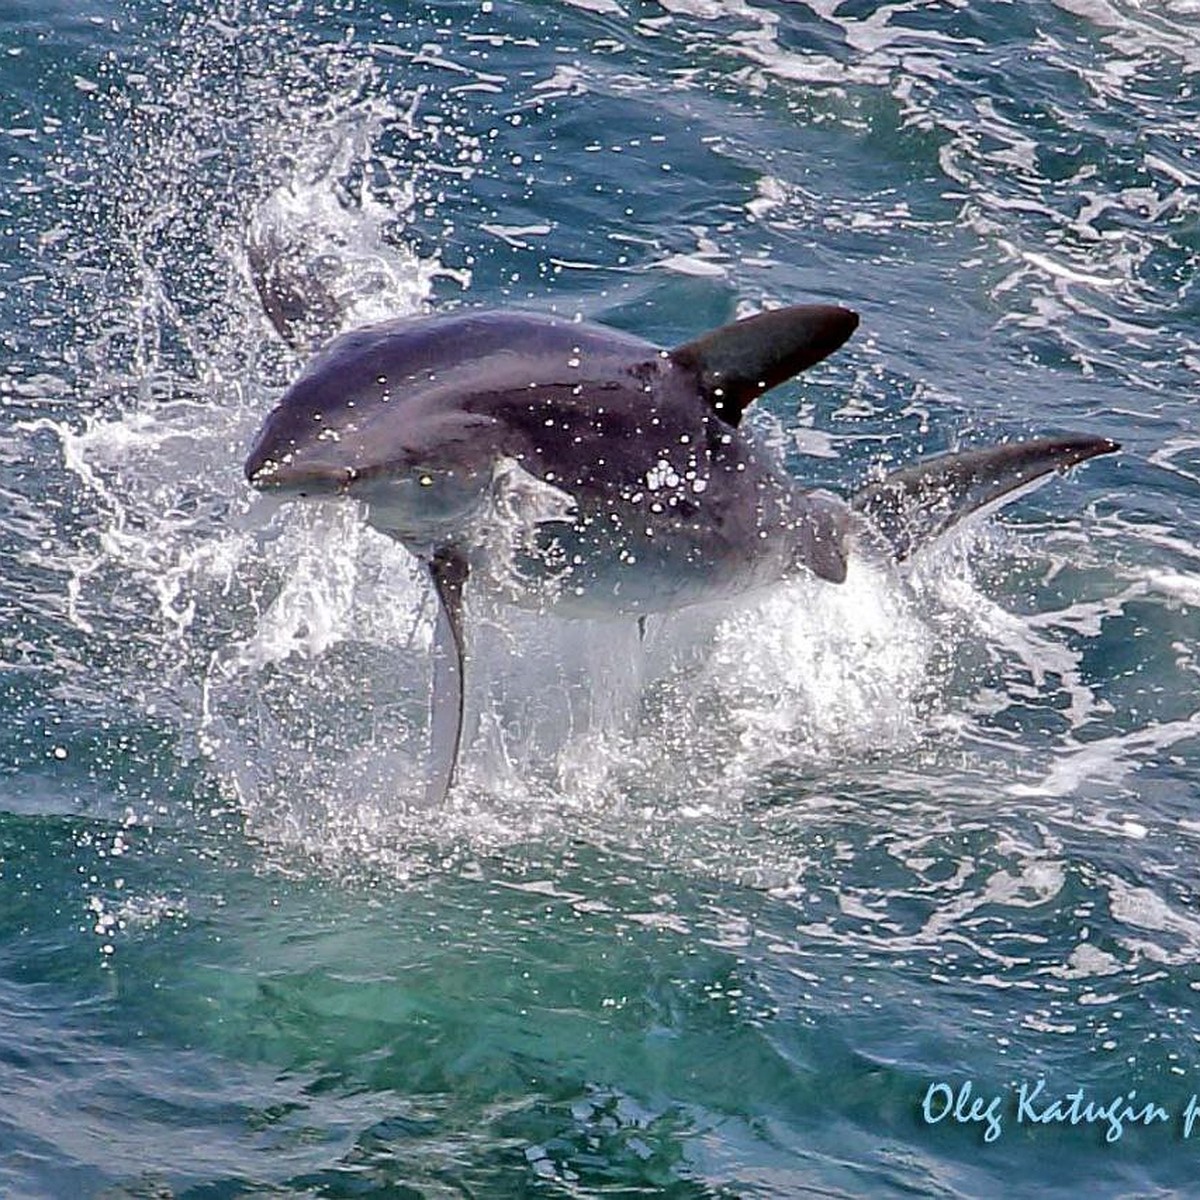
(342,239)
(1138,31)
(1108,758)
(604,7)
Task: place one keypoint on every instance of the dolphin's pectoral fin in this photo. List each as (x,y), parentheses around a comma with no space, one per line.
(448,570)
(737,363)
(914,505)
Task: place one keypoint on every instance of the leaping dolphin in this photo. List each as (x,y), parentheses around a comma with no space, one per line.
(575,468)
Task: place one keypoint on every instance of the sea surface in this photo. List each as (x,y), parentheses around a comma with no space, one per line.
(887,889)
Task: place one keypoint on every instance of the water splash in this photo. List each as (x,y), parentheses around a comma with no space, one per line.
(291,646)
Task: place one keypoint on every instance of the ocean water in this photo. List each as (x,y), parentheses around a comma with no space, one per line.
(858,891)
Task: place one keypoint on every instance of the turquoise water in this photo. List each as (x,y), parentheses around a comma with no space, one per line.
(739,911)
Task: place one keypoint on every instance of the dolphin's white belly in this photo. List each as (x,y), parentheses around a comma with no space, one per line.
(633,552)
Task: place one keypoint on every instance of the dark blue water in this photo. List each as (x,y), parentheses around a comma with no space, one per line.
(739,911)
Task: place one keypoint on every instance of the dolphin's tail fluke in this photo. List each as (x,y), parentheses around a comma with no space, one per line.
(297,297)
(916,504)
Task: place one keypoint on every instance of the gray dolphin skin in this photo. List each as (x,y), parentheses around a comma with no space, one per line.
(573,468)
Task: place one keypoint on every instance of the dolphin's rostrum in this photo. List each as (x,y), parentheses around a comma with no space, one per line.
(573,467)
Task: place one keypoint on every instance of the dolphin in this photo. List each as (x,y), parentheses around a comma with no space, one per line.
(577,469)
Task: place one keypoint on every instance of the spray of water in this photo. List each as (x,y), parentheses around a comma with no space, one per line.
(288,646)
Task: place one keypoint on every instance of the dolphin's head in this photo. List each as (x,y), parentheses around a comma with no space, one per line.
(371,405)
(418,394)
(324,432)
(373,418)
(421,503)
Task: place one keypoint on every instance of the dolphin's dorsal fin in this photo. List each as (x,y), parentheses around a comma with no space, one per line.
(916,504)
(738,362)
(448,570)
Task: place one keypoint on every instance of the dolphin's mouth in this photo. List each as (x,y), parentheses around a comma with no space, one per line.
(303,479)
